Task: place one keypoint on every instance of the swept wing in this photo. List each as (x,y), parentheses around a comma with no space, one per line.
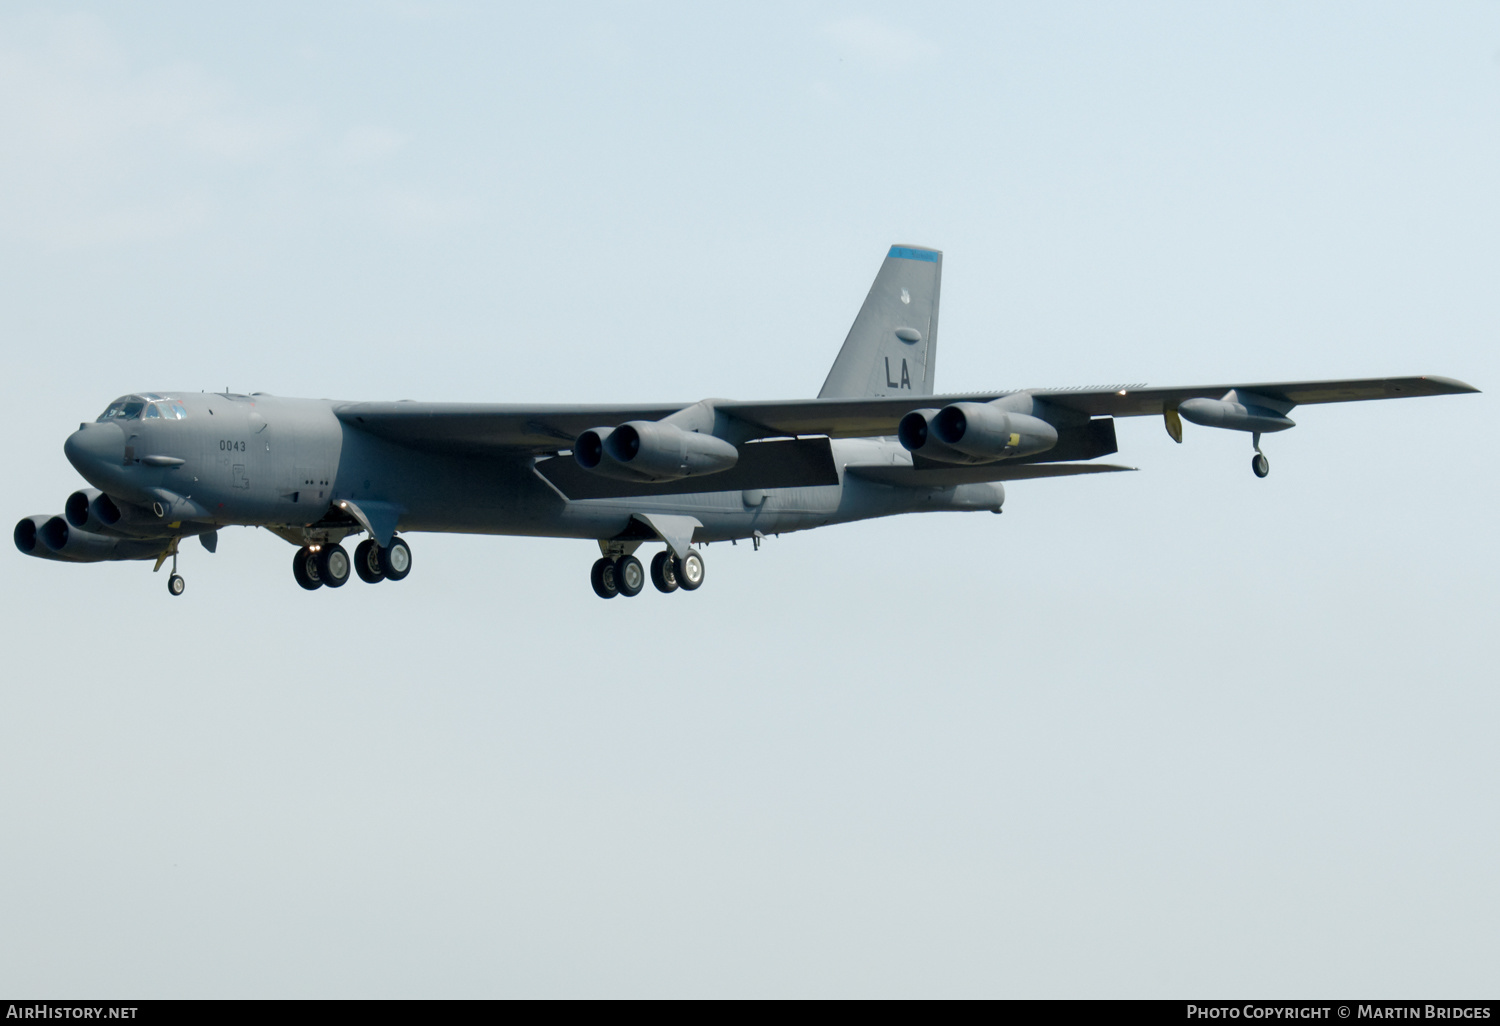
(487,427)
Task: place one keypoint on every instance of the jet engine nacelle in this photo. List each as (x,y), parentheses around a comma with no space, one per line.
(28,538)
(974,433)
(55,538)
(89,509)
(648,450)
(1221,413)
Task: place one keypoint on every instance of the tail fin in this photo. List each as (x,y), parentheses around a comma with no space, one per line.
(892,348)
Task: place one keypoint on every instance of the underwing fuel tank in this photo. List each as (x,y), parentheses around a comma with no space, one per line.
(644,450)
(1233,416)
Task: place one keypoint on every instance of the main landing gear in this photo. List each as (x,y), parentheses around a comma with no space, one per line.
(315,566)
(624,575)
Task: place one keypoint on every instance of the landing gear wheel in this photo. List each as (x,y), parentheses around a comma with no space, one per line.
(305,569)
(690,571)
(664,572)
(630,576)
(395,560)
(367,562)
(333,566)
(603,578)
(1260,465)
(176,585)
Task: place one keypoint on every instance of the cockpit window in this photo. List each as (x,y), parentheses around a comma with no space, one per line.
(126,408)
(133,407)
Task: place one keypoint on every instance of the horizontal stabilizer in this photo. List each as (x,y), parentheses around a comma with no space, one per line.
(781,463)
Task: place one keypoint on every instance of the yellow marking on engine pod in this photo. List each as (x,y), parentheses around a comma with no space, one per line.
(1174,423)
(1015,439)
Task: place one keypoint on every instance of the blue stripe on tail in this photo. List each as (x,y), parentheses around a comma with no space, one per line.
(905,253)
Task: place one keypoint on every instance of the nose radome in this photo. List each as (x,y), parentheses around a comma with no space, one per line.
(94,446)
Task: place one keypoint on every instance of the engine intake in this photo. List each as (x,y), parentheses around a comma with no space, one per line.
(646,450)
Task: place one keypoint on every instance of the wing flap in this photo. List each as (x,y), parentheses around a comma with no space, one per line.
(943,477)
(781,463)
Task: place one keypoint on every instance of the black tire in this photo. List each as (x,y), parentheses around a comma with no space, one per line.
(176,585)
(367,562)
(305,569)
(334,565)
(395,560)
(1260,465)
(690,571)
(630,576)
(664,572)
(602,576)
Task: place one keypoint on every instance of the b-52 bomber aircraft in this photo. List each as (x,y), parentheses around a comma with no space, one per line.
(877,441)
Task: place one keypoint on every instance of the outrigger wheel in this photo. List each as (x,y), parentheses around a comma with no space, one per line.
(1258,462)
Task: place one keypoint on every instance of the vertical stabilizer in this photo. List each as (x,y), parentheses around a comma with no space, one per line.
(892,348)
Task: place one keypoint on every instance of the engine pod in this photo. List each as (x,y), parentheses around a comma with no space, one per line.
(647,450)
(979,429)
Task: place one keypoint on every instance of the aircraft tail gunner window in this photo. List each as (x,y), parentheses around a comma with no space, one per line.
(125,408)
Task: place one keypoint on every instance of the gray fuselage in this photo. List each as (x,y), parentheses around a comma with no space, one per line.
(286,463)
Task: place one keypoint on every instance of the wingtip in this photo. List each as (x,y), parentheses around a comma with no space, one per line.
(1453,385)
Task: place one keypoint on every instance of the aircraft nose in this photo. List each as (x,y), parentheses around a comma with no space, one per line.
(95,446)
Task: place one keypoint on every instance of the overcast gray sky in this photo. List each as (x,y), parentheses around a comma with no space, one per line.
(1175,733)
